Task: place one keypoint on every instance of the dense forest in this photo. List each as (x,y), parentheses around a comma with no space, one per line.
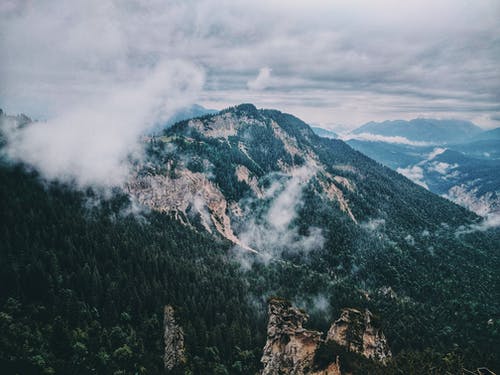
(84,279)
(83,289)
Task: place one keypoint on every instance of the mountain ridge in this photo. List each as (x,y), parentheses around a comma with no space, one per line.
(423,129)
(332,227)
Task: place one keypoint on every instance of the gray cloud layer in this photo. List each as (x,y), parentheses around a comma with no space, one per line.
(330,62)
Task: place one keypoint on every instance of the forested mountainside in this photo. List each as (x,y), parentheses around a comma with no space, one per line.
(83,288)
(244,204)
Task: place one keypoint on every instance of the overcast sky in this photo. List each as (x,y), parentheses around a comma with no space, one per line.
(329,62)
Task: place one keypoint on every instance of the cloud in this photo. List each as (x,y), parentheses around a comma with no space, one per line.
(274,232)
(373,224)
(333,61)
(491,221)
(93,143)
(441,167)
(262,80)
(414,173)
(382,138)
(437,151)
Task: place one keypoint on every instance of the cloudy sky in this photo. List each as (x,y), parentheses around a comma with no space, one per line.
(331,62)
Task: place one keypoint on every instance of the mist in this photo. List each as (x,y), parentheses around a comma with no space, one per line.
(93,144)
(274,232)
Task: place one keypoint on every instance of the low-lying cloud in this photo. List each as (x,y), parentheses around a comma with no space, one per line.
(382,138)
(491,221)
(93,144)
(414,173)
(274,232)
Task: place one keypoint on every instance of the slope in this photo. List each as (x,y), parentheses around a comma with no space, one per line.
(329,223)
(329,229)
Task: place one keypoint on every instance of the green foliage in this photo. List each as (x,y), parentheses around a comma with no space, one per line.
(83,286)
(83,289)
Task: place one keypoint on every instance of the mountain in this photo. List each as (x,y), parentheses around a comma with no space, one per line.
(423,130)
(236,156)
(472,183)
(226,211)
(324,132)
(493,134)
(485,149)
(192,111)
(393,155)
(464,173)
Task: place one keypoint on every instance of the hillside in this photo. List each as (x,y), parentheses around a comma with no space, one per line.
(244,204)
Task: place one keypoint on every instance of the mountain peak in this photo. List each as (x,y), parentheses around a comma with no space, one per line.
(243,108)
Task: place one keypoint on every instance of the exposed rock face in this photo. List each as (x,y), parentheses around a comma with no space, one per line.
(168,182)
(187,190)
(356,331)
(174,340)
(332,369)
(290,348)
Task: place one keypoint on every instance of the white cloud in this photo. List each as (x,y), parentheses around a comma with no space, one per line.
(491,221)
(441,167)
(484,205)
(414,173)
(92,143)
(440,58)
(382,138)
(262,80)
(373,224)
(274,232)
(410,240)
(437,151)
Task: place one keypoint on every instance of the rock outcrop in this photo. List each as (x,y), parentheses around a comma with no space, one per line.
(174,340)
(291,349)
(357,332)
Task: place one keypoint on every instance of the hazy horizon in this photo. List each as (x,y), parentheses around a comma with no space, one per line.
(329,63)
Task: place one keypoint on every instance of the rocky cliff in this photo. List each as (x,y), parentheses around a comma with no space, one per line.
(174,340)
(358,333)
(291,349)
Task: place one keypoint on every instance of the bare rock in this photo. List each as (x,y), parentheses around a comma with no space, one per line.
(290,348)
(293,350)
(174,340)
(358,333)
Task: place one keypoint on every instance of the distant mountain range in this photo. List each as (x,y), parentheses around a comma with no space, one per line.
(189,112)
(424,130)
(324,132)
(455,159)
